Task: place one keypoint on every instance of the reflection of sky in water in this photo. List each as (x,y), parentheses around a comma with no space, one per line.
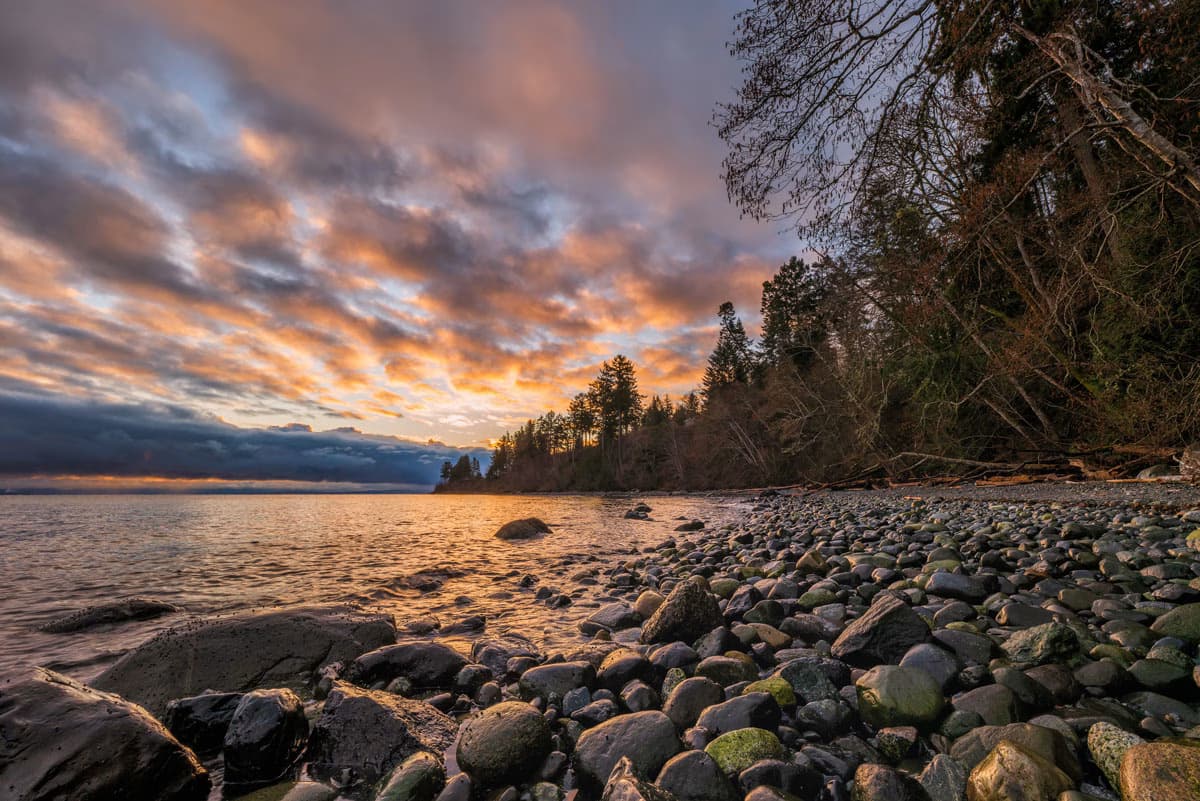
(220,553)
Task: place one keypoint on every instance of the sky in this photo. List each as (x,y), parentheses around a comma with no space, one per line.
(343,241)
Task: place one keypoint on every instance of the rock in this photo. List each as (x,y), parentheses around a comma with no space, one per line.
(624,784)
(1023,616)
(810,681)
(882,634)
(621,667)
(268,731)
(939,663)
(995,703)
(890,695)
(800,780)
(1012,772)
(647,739)
(524,529)
(882,783)
(62,740)
(691,697)
(727,670)
(647,603)
(1049,642)
(778,687)
(457,789)
(1161,770)
(503,743)
(610,617)
(738,750)
(695,776)
(419,778)
(944,779)
(282,647)
(553,682)
(758,710)
(956,586)
(426,664)
(369,732)
(1182,622)
(974,746)
(200,722)
(120,611)
(692,525)
(687,614)
(1107,744)
(495,651)
(895,742)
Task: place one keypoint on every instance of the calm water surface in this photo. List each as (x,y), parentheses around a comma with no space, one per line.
(227,552)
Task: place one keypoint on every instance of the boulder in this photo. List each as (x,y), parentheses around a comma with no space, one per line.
(882,635)
(268,731)
(62,740)
(956,586)
(119,611)
(1161,770)
(1011,772)
(282,647)
(757,710)
(687,614)
(503,743)
(1049,642)
(1107,745)
(890,695)
(523,529)
(426,664)
(691,697)
(647,739)
(1182,622)
(369,732)
(200,721)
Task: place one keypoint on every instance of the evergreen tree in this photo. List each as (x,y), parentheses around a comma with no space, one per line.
(732,359)
(792,311)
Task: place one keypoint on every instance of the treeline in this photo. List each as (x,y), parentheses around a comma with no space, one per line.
(1000,203)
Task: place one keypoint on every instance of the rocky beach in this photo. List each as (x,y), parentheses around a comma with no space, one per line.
(1035,643)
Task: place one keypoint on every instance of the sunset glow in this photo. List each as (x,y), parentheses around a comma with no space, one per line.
(430,221)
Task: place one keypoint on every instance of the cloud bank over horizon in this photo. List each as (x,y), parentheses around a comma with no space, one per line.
(53,438)
(422,220)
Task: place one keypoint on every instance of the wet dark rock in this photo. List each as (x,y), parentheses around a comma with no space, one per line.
(553,682)
(119,611)
(495,651)
(419,778)
(281,647)
(890,695)
(691,697)
(957,586)
(688,613)
(610,617)
(939,663)
(647,739)
(523,529)
(368,733)
(62,740)
(802,781)
(973,747)
(596,712)
(426,664)
(200,722)
(692,525)
(883,783)
(694,776)
(504,743)
(621,667)
(882,635)
(268,731)
(994,703)
(757,710)
(637,696)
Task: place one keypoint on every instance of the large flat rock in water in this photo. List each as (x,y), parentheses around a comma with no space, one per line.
(280,647)
(60,739)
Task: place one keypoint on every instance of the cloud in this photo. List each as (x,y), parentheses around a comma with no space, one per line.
(49,436)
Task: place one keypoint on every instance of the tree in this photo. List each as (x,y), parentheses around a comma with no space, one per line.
(582,415)
(446,468)
(732,360)
(615,398)
(793,309)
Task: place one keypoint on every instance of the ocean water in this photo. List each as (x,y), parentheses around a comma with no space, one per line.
(220,553)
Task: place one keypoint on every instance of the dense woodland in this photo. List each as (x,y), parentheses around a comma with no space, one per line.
(999,207)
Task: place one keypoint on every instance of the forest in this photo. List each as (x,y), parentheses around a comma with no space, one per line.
(998,216)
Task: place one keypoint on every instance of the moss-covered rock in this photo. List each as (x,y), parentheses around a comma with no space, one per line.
(1182,622)
(778,687)
(738,750)
(1107,744)
(891,695)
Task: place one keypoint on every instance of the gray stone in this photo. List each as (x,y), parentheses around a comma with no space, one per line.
(62,740)
(503,743)
(647,739)
(119,611)
(687,614)
(882,635)
(265,736)
(695,776)
(280,647)
(524,529)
